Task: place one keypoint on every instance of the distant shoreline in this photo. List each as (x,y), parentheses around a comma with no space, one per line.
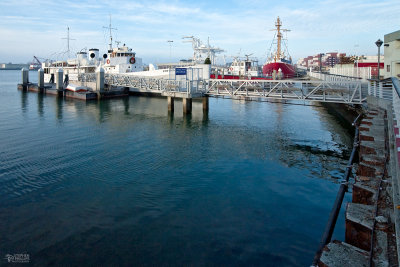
(10,68)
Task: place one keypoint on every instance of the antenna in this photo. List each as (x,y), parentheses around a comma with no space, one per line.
(68,39)
(247,56)
(110,28)
(170,49)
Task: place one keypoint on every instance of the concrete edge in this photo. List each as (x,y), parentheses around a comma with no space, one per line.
(394,170)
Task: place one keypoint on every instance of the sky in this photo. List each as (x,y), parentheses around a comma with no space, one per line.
(36,27)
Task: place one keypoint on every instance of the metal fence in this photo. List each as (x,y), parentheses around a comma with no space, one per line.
(348,92)
(87,77)
(383,89)
(364,73)
(332,77)
(156,85)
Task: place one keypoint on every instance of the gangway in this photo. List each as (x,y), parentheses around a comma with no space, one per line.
(345,92)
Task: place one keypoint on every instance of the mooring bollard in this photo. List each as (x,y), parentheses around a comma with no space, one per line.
(40,79)
(25,78)
(60,81)
(100,80)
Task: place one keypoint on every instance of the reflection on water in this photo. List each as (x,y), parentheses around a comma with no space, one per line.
(124,182)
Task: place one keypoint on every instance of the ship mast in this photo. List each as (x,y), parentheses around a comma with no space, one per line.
(278,25)
(68,39)
(278,29)
(110,28)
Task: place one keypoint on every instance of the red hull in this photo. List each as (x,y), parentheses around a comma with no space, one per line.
(288,70)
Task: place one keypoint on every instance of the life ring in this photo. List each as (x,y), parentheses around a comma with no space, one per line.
(132,60)
(108,61)
(231,69)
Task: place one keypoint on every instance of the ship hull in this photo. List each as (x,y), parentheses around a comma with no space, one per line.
(288,70)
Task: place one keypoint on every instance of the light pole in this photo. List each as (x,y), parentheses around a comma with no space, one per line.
(379,44)
(170,49)
(357,58)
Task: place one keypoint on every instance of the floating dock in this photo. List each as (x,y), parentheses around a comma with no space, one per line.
(59,88)
(99,88)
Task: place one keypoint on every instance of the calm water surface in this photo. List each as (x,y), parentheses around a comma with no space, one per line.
(121,182)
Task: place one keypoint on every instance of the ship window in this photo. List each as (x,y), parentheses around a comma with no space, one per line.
(388,68)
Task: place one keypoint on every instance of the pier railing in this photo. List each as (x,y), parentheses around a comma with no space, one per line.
(150,85)
(154,85)
(348,92)
(340,91)
(383,89)
(332,77)
(87,77)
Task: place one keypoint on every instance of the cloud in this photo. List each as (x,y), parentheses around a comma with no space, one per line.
(233,25)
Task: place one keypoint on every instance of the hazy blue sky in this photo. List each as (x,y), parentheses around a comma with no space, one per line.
(35,27)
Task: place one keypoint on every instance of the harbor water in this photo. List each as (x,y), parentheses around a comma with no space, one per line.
(122,182)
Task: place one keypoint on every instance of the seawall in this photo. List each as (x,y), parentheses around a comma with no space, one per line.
(372,236)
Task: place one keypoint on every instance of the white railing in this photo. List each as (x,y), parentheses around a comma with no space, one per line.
(156,85)
(331,77)
(383,89)
(364,73)
(348,92)
(87,77)
(340,91)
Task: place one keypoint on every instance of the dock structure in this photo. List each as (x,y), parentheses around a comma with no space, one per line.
(198,87)
(59,82)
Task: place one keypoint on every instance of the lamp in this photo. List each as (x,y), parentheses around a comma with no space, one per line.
(379,44)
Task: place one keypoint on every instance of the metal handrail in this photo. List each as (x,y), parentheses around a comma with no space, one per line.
(396,85)
(330,226)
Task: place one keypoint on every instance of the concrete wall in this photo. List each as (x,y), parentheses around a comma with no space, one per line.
(392,55)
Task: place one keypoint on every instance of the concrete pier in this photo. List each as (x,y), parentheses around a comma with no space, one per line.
(41,80)
(170,100)
(60,82)
(100,80)
(187,105)
(205,104)
(25,78)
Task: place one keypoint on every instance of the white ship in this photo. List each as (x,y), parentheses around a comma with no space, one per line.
(247,67)
(116,60)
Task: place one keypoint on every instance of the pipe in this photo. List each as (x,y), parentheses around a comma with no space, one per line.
(330,226)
